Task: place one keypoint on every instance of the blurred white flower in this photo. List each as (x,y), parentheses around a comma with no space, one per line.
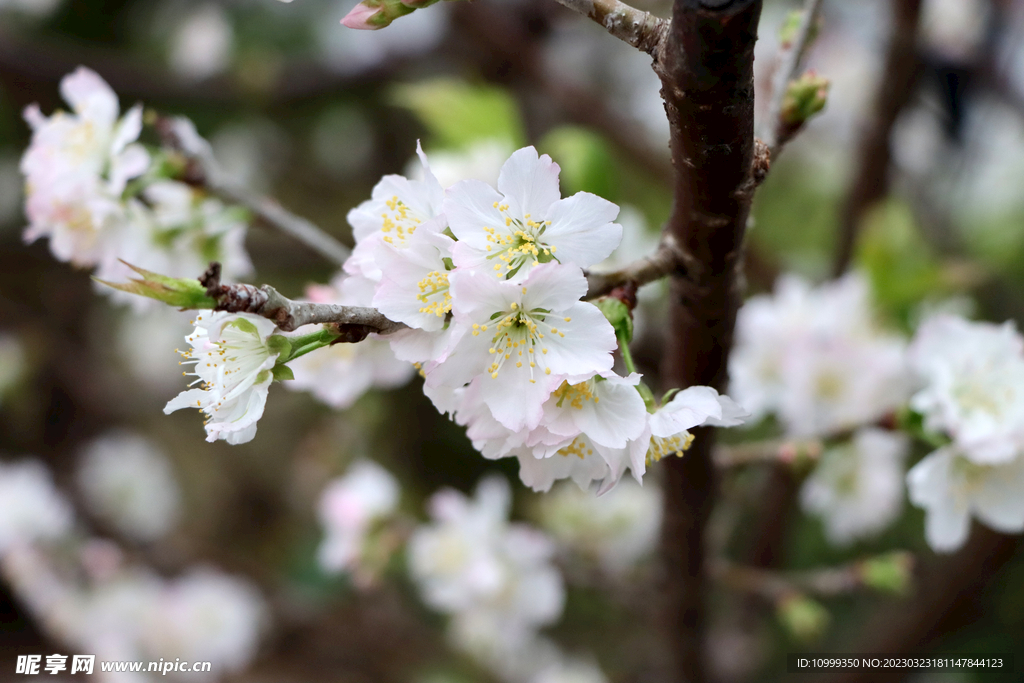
(571,671)
(480,161)
(973,385)
(31,508)
(953,488)
(815,357)
(857,487)
(201,46)
(126,480)
(348,507)
(470,562)
(205,615)
(613,531)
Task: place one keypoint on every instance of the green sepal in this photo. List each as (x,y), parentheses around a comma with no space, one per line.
(618,314)
(888,573)
(282,372)
(280,345)
(185,293)
(669,394)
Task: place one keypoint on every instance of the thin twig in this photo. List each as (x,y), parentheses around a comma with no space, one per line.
(786,451)
(775,585)
(662,263)
(353,322)
(774,134)
(203,172)
(640,29)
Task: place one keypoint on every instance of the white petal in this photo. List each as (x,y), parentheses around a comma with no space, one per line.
(529,183)
(582,229)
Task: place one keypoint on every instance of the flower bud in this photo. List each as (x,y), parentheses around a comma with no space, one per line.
(805,619)
(179,292)
(805,97)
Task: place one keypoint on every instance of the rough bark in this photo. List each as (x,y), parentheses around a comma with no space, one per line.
(706,68)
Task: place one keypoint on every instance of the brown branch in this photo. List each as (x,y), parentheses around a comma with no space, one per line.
(662,263)
(777,133)
(706,68)
(201,171)
(353,322)
(894,90)
(640,29)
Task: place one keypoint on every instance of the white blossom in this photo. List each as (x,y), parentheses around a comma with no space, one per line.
(31,508)
(126,480)
(339,374)
(348,507)
(953,488)
(570,671)
(482,161)
(973,385)
(76,168)
(201,45)
(232,360)
(526,221)
(526,336)
(816,358)
(857,487)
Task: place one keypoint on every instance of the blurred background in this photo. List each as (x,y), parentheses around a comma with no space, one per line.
(300,108)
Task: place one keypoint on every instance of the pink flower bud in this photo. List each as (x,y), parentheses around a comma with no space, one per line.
(362,17)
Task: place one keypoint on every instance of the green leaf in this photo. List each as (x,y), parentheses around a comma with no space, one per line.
(184,293)
(458,114)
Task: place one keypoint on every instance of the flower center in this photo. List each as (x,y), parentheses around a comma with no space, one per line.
(434,294)
(399,222)
(576,394)
(664,446)
(578,447)
(519,333)
(517,243)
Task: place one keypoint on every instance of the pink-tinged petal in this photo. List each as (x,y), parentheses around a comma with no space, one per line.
(90,96)
(529,183)
(688,408)
(617,419)
(33,117)
(432,185)
(587,345)
(553,286)
(132,163)
(516,401)
(476,296)
(582,229)
(469,207)
(362,17)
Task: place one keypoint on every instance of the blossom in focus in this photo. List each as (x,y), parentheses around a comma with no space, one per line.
(526,336)
(127,481)
(815,357)
(613,531)
(348,507)
(232,361)
(339,374)
(395,209)
(414,290)
(31,508)
(526,222)
(972,377)
(471,563)
(857,487)
(952,488)
(76,168)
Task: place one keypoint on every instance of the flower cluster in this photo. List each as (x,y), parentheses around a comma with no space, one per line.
(100,196)
(972,391)
(494,578)
(490,283)
(816,359)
